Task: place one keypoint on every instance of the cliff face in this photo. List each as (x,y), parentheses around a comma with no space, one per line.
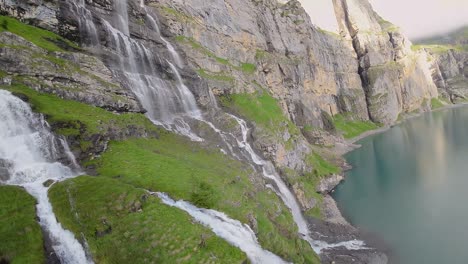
(309,71)
(449,62)
(450,73)
(396,80)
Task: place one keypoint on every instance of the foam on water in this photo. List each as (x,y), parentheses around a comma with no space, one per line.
(233,231)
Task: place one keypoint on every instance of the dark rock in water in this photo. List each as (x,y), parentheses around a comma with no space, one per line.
(4,170)
(48,183)
(51,256)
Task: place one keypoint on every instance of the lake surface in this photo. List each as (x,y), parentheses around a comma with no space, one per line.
(409,186)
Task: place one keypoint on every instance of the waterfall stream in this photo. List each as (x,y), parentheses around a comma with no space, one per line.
(233,231)
(30,151)
(170,105)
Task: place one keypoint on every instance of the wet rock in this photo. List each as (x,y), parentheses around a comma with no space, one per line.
(5,167)
(305,203)
(48,183)
(253,223)
(326,185)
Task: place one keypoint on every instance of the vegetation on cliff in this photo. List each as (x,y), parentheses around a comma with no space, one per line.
(350,128)
(41,38)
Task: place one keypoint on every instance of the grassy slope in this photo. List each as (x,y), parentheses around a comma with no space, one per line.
(20,234)
(352,128)
(177,166)
(41,38)
(262,109)
(123,224)
(189,168)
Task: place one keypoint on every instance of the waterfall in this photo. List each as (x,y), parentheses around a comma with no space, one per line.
(171,105)
(86,25)
(166,104)
(31,151)
(233,231)
(155,27)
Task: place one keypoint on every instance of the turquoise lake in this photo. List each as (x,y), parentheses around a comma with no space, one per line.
(409,186)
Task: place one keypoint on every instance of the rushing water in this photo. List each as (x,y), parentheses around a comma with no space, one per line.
(409,185)
(233,231)
(29,152)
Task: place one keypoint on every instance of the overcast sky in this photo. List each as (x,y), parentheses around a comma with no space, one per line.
(417,18)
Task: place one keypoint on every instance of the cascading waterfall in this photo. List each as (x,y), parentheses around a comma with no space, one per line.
(288,198)
(30,151)
(233,231)
(169,105)
(155,27)
(86,25)
(166,104)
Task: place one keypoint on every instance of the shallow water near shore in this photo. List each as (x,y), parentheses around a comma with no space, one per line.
(409,186)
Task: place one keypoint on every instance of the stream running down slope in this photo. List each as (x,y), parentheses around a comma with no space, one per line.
(31,153)
(171,104)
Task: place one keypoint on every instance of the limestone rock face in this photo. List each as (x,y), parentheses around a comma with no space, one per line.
(450,73)
(42,13)
(395,78)
(308,70)
(70,75)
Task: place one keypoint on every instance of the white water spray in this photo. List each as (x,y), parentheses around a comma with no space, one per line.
(30,150)
(233,231)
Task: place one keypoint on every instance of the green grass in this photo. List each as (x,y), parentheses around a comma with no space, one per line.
(260,108)
(216,76)
(248,68)
(436,103)
(176,166)
(439,49)
(321,167)
(41,38)
(352,128)
(123,224)
(21,236)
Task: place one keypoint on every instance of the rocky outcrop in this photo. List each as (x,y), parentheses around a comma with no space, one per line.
(450,73)
(70,75)
(395,78)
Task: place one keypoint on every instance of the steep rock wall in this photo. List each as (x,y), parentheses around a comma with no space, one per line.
(395,78)
(308,70)
(450,73)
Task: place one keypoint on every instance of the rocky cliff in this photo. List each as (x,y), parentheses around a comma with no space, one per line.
(449,63)
(300,88)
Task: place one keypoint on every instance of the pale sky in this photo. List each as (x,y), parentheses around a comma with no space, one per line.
(417,18)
